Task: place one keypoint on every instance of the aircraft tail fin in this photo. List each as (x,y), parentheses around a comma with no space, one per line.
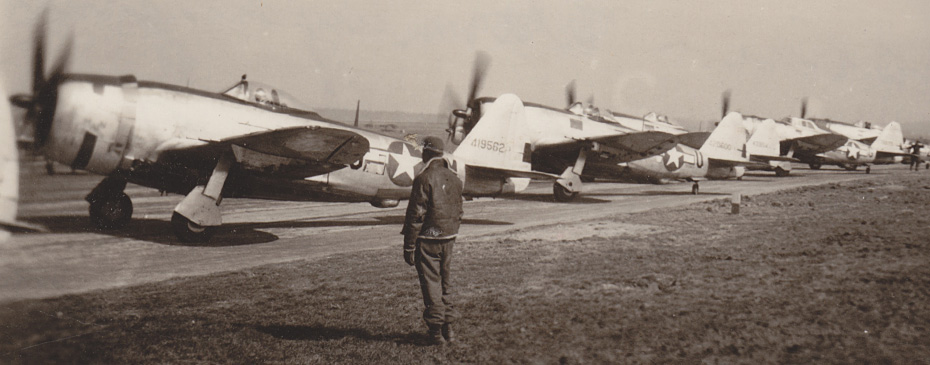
(498,140)
(728,140)
(890,140)
(763,145)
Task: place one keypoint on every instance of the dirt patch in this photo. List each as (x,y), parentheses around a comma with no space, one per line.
(835,273)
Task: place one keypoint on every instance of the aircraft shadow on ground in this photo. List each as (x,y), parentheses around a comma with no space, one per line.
(669,193)
(155,231)
(583,198)
(323,333)
(232,234)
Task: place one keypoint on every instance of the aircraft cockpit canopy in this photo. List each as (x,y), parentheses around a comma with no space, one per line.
(580,109)
(265,95)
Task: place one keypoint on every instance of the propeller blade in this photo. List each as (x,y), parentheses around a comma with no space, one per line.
(482,61)
(803,107)
(726,103)
(38,53)
(45,100)
(570,94)
(358,105)
(22,100)
(449,102)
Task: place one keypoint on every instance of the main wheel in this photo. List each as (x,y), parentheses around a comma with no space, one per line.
(562,194)
(695,188)
(868,169)
(851,167)
(814,165)
(190,232)
(111,212)
(780,172)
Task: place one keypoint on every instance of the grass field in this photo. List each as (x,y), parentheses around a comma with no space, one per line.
(829,274)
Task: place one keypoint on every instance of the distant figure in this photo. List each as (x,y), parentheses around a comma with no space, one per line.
(430,227)
(915,158)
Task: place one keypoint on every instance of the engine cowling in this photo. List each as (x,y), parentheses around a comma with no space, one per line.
(93,123)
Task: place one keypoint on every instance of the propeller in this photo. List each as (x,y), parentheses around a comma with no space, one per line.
(803,107)
(482,61)
(40,106)
(451,101)
(570,94)
(726,103)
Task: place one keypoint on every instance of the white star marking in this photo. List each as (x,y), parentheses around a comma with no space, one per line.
(405,163)
(674,156)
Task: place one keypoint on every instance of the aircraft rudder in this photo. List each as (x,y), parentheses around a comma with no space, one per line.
(497,139)
(728,140)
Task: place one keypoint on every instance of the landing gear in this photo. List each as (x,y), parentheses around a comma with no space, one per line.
(851,167)
(780,172)
(111,212)
(562,194)
(110,207)
(868,169)
(196,218)
(190,232)
(695,188)
(814,165)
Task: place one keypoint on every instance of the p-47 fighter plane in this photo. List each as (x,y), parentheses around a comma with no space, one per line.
(852,154)
(724,155)
(251,141)
(558,143)
(796,136)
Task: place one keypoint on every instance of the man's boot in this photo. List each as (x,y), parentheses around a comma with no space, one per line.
(435,335)
(447,332)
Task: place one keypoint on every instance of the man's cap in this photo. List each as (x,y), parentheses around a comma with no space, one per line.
(432,143)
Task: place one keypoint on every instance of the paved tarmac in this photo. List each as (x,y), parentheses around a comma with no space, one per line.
(73,257)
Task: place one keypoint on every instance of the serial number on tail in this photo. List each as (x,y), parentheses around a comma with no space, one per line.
(488,145)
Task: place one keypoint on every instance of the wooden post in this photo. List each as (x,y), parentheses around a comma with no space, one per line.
(735,200)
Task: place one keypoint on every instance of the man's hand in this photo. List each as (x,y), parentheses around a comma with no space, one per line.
(409,257)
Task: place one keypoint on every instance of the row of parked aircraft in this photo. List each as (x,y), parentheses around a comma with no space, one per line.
(255,141)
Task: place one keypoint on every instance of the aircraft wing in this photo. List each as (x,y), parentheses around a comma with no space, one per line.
(818,143)
(619,147)
(536,175)
(694,139)
(766,158)
(308,143)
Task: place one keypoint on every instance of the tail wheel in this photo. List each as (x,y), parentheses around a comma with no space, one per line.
(190,232)
(111,212)
(562,194)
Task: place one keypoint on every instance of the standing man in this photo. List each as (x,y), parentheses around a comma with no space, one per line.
(915,158)
(433,217)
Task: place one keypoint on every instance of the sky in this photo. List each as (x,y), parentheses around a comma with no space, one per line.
(854,60)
